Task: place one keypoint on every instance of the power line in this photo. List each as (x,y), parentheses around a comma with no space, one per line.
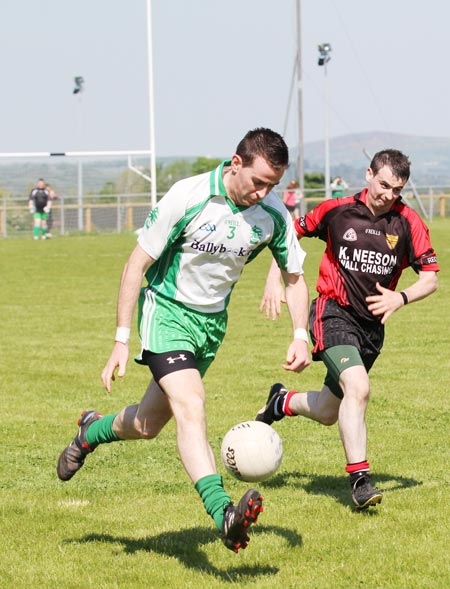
(366,77)
(337,115)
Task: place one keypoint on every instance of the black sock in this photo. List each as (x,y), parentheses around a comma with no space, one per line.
(357,469)
(278,405)
(357,475)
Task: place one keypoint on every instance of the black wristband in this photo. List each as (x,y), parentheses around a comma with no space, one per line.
(404,297)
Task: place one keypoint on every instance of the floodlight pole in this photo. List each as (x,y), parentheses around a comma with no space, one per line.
(151,107)
(300,155)
(80,194)
(327,140)
(80,163)
(324,58)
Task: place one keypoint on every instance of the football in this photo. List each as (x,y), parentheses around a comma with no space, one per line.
(252,451)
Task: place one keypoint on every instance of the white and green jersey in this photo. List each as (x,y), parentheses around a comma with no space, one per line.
(201,241)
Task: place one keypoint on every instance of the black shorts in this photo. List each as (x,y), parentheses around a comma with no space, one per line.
(332,325)
(162,364)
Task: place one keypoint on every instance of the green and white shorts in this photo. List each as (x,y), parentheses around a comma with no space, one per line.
(168,326)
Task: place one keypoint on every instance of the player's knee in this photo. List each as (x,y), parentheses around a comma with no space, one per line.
(145,432)
(148,435)
(359,395)
(145,429)
(327,407)
(191,412)
(362,394)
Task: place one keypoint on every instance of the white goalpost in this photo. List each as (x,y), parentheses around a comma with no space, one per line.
(84,200)
(129,153)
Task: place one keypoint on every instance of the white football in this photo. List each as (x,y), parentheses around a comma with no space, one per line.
(252,451)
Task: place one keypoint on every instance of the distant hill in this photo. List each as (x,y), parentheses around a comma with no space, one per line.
(430,157)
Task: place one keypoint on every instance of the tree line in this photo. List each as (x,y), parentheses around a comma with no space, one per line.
(167,174)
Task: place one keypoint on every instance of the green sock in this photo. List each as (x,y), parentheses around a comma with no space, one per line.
(101,431)
(44,231)
(35,231)
(214,497)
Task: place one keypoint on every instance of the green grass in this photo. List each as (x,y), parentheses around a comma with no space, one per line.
(131,518)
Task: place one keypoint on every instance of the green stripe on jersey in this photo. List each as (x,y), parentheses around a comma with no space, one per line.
(217,187)
(168,265)
(279,242)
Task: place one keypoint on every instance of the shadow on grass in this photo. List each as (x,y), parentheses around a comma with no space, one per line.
(186,546)
(336,487)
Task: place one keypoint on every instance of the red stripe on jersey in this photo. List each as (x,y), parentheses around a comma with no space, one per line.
(331,283)
(318,323)
(309,222)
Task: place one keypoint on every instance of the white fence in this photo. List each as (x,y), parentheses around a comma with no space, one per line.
(127,212)
(97,213)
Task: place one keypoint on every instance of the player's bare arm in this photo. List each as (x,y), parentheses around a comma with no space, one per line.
(130,285)
(388,301)
(297,299)
(273,295)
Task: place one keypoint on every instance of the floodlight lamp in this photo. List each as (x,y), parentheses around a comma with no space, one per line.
(324,53)
(79,81)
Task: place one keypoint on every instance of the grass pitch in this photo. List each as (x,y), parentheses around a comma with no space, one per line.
(132,519)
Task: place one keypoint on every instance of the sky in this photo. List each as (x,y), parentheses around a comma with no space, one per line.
(219,69)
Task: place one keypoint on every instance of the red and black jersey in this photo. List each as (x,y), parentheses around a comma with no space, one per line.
(363,249)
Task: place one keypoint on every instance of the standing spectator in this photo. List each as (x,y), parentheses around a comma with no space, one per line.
(291,198)
(337,187)
(39,204)
(53,197)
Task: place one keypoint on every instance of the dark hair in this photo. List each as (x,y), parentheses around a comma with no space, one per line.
(264,143)
(396,160)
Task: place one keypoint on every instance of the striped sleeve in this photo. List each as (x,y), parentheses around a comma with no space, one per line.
(422,255)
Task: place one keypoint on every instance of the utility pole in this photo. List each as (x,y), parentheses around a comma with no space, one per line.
(151,106)
(300,159)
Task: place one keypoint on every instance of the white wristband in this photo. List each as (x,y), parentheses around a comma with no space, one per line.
(122,335)
(301,333)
